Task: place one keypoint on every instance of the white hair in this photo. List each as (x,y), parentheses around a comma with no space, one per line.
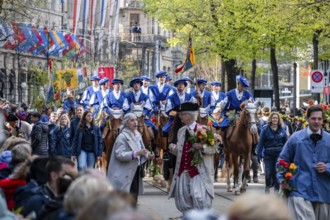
(124,121)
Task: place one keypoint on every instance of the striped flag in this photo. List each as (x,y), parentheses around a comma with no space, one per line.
(85,17)
(102,22)
(31,38)
(76,13)
(110,28)
(116,28)
(190,59)
(91,23)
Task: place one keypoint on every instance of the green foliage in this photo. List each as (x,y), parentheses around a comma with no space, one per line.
(37,78)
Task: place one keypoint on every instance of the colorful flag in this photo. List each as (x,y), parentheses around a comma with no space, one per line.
(102,22)
(190,59)
(30,38)
(110,28)
(116,28)
(85,17)
(91,27)
(40,41)
(106,71)
(18,38)
(76,13)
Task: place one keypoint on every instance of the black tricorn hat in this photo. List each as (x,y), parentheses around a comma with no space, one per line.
(11,117)
(187,106)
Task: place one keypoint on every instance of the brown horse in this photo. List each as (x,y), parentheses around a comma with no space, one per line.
(238,146)
(109,135)
(146,133)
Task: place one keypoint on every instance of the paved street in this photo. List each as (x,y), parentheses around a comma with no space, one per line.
(156,203)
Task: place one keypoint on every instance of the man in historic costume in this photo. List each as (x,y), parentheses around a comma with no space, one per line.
(137,97)
(192,186)
(201,94)
(98,97)
(189,90)
(234,99)
(19,128)
(160,91)
(90,90)
(309,150)
(145,86)
(175,100)
(216,98)
(114,99)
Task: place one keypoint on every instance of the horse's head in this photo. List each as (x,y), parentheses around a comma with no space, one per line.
(250,117)
(203,115)
(116,117)
(137,110)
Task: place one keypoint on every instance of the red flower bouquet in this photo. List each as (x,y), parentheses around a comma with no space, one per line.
(289,170)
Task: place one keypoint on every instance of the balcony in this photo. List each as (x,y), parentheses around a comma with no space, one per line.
(134,5)
(141,40)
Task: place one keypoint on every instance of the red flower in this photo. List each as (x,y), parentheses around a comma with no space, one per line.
(288,175)
(154,119)
(325,107)
(281,162)
(286,164)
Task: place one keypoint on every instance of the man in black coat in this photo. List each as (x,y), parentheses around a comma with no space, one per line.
(39,136)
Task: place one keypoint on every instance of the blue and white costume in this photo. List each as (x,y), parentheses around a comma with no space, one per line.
(98,97)
(114,99)
(233,100)
(89,91)
(175,100)
(159,92)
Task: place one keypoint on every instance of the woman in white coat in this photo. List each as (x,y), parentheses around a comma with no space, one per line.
(128,156)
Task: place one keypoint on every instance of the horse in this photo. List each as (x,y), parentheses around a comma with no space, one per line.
(238,146)
(109,135)
(147,134)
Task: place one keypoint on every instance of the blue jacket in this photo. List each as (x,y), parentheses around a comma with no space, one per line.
(74,125)
(60,144)
(77,142)
(307,182)
(110,101)
(67,105)
(271,141)
(206,101)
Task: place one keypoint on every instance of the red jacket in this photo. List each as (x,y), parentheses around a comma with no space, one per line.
(9,187)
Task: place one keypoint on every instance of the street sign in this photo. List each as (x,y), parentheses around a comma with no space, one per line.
(317,81)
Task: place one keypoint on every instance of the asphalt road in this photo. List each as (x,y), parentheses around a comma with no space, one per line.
(155,200)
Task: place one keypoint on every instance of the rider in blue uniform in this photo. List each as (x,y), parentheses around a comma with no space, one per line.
(90,90)
(216,98)
(138,97)
(189,90)
(174,100)
(160,91)
(145,84)
(234,98)
(97,98)
(204,95)
(114,99)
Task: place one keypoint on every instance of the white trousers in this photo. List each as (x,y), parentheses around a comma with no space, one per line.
(190,193)
(303,209)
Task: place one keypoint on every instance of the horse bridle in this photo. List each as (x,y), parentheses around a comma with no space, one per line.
(247,123)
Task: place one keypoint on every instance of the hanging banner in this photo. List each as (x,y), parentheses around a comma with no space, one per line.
(106,71)
(317,81)
(65,79)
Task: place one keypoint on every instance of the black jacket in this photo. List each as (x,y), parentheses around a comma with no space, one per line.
(39,139)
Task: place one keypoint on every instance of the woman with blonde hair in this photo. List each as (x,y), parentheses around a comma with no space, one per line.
(272,139)
(60,138)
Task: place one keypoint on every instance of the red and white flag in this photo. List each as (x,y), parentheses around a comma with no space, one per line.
(106,71)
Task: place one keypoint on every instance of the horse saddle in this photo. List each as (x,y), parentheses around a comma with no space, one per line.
(116,113)
(204,112)
(137,110)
